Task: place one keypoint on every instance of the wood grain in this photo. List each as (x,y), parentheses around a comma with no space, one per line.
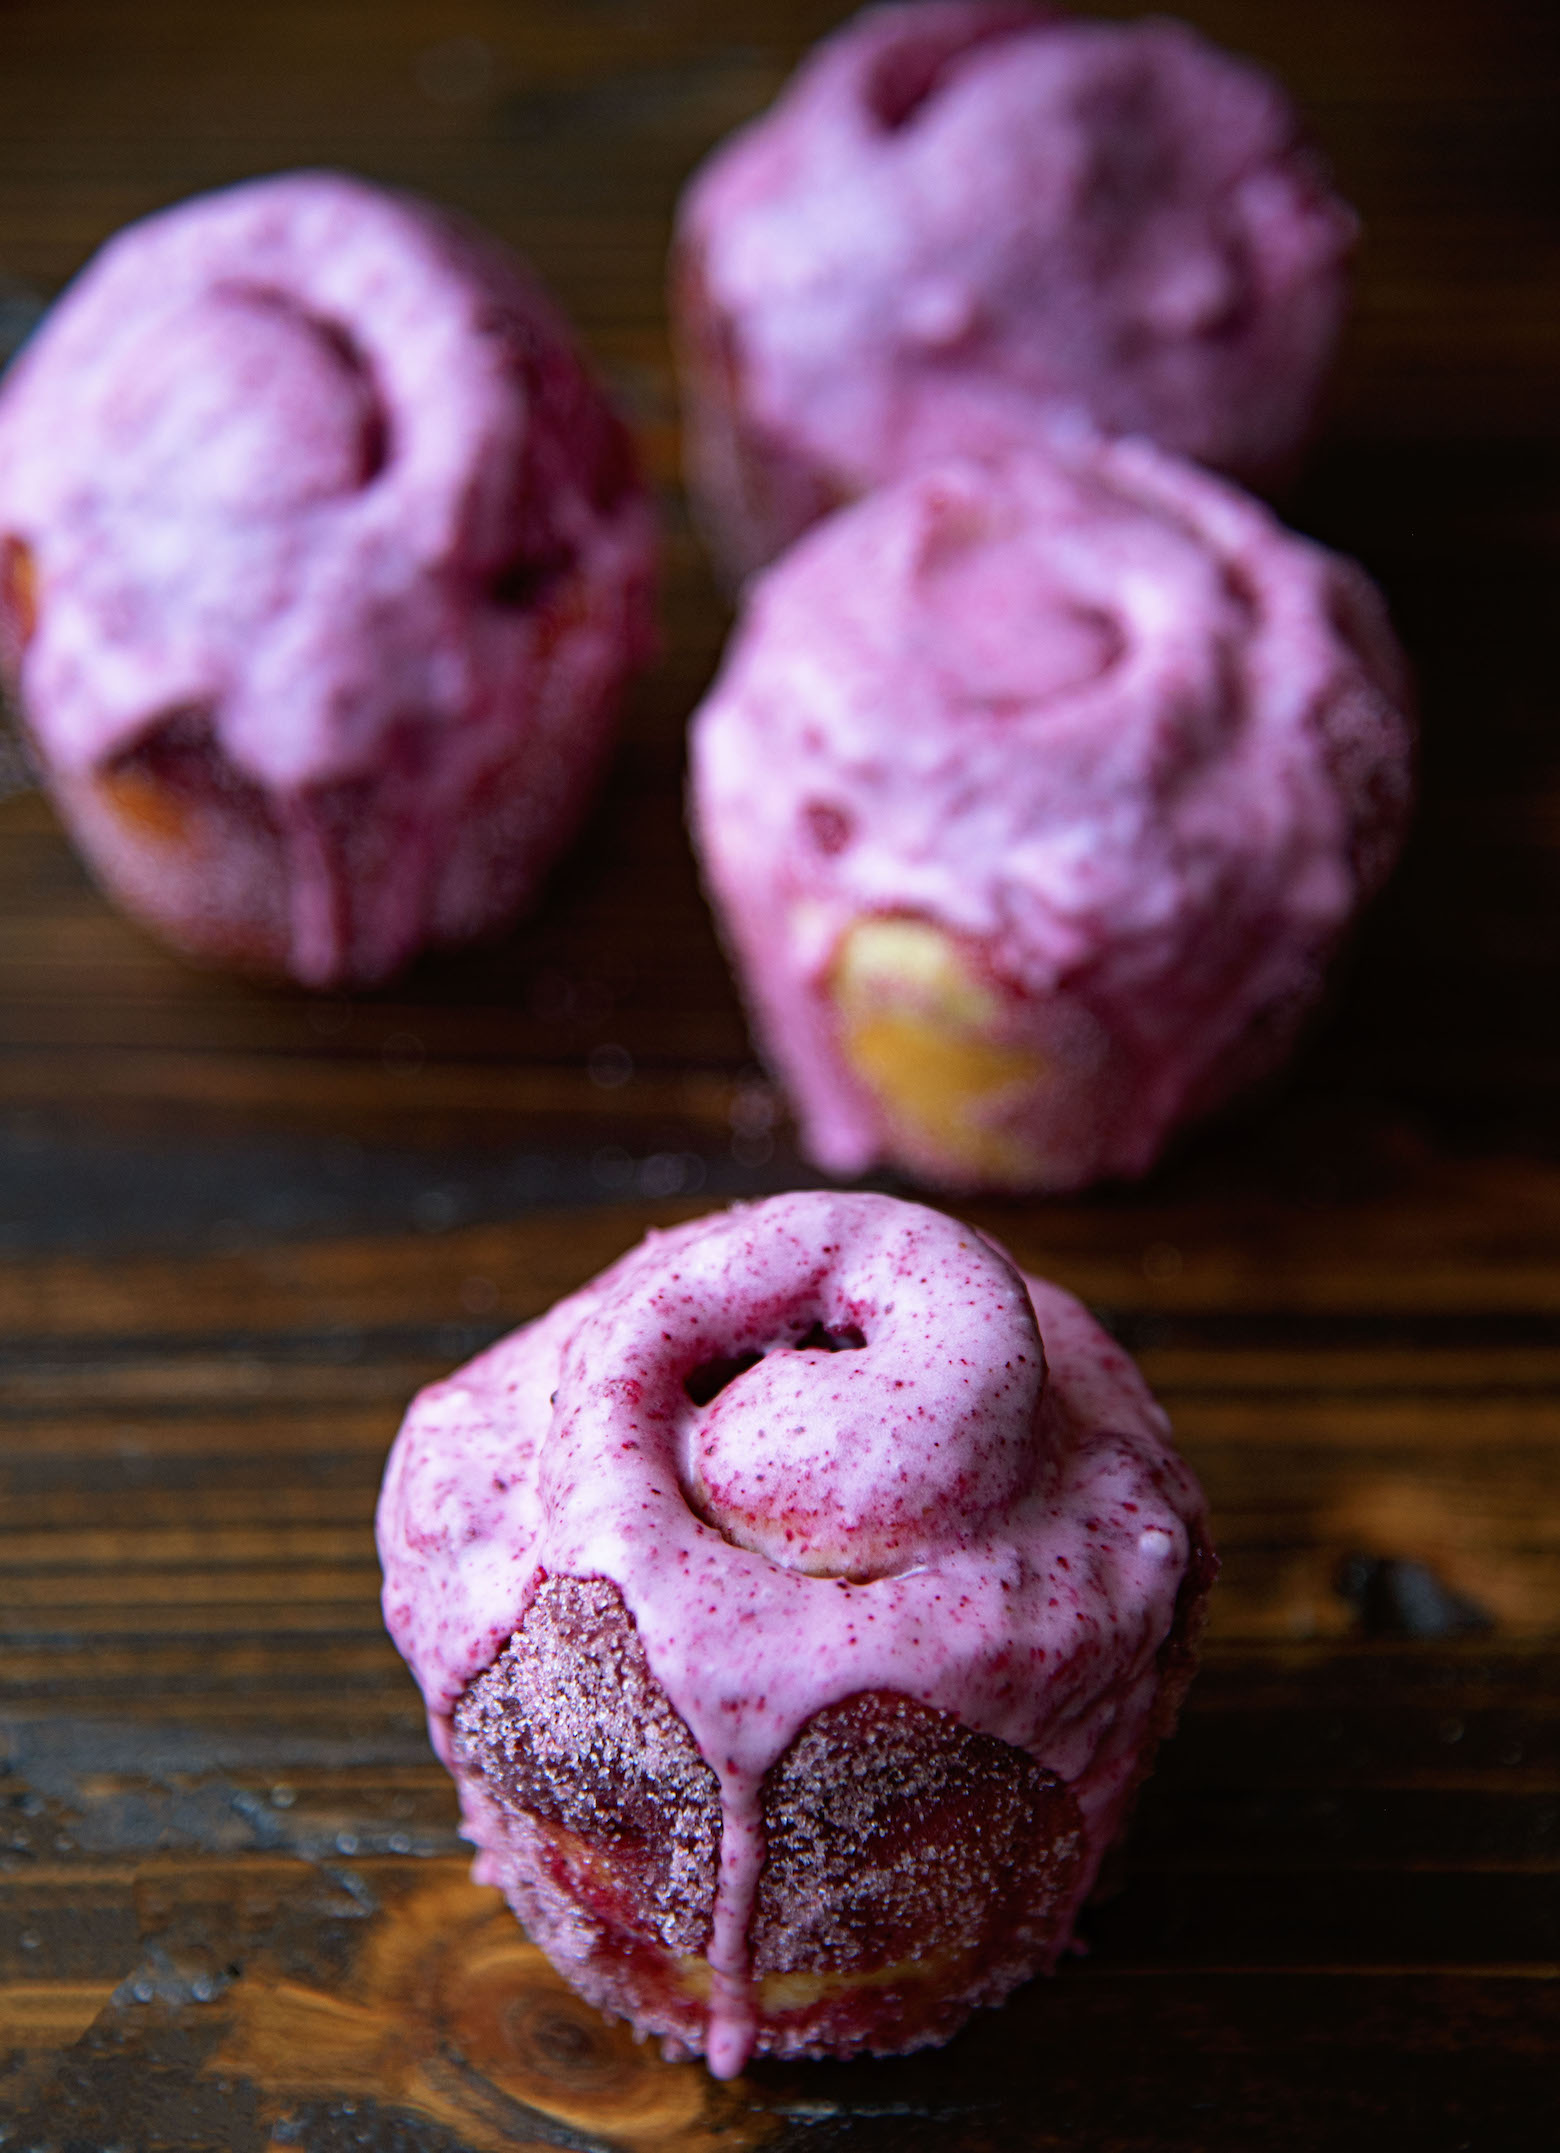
(239,1227)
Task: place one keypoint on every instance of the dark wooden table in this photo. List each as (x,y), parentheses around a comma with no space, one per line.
(238,1227)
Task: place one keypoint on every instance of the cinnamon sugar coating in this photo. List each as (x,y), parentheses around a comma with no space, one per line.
(897,1842)
(569,1726)
(895,1834)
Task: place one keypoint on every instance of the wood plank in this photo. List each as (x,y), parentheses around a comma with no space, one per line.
(1471,1238)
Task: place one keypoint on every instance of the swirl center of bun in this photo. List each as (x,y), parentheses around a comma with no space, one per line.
(846,1391)
(237,399)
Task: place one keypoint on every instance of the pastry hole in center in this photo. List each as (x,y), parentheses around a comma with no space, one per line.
(848,1338)
(705,1383)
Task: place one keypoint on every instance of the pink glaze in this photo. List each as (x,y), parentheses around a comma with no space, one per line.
(1044,1523)
(320,465)
(1101,718)
(964,219)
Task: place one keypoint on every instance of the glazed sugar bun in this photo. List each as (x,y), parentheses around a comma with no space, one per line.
(322,567)
(1034,798)
(797,1607)
(963,220)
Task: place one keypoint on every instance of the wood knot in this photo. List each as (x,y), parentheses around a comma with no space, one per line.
(565,2042)
(515,2022)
